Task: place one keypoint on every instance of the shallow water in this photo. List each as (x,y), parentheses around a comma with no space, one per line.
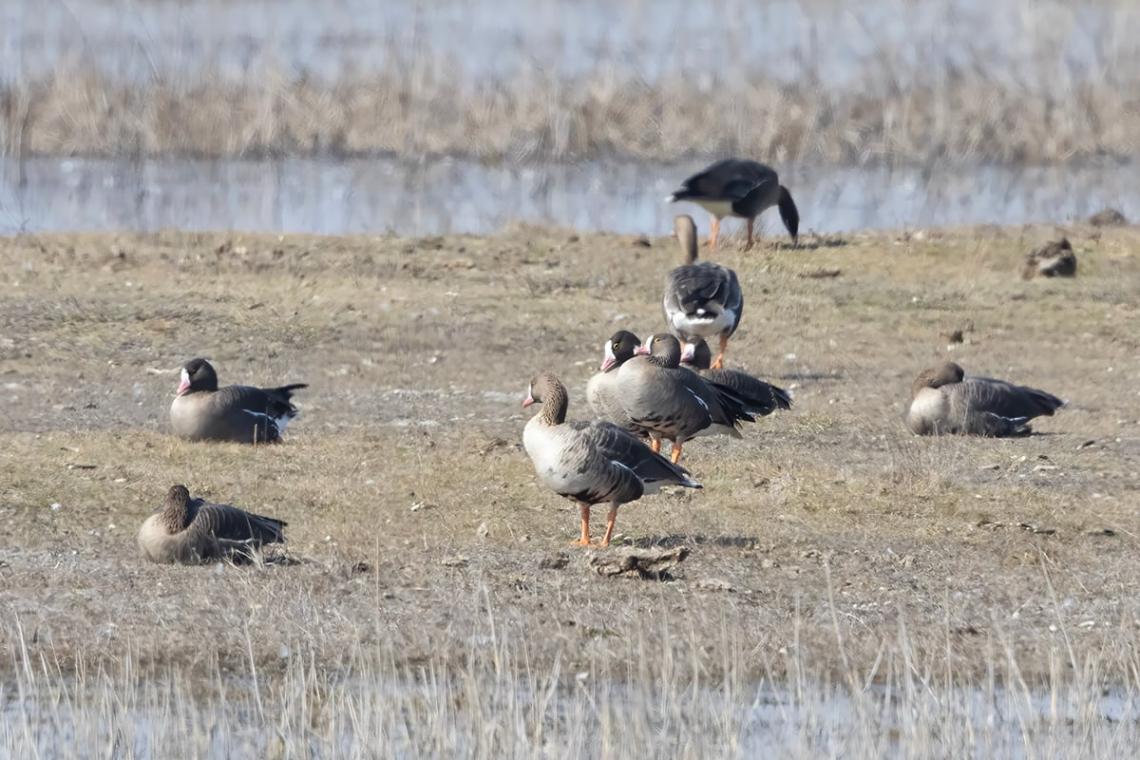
(446,196)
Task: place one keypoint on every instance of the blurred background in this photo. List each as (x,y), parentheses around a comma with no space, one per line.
(443,116)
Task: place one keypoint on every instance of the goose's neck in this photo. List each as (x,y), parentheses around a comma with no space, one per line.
(554,406)
(688,246)
(176,515)
(661,361)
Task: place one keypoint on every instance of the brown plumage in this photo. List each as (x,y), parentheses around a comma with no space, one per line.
(590,462)
(1055,259)
(741,188)
(702,299)
(601,390)
(667,402)
(191,531)
(202,411)
(760,398)
(945,401)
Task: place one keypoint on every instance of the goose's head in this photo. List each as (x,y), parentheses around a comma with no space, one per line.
(664,347)
(697,355)
(621,347)
(937,376)
(197,375)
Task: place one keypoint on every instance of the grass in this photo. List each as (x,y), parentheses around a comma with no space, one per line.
(840,566)
(1030,102)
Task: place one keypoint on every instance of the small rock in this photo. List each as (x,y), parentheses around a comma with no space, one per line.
(768,563)
(715,584)
(1101,532)
(1036,529)
(554,561)
(482,530)
(55,506)
(647,564)
(456,561)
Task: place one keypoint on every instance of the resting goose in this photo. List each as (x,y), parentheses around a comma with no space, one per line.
(740,188)
(944,400)
(761,398)
(702,299)
(667,402)
(591,462)
(192,531)
(203,412)
(601,390)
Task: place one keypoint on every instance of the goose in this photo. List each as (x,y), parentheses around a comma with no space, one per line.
(762,398)
(201,411)
(944,400)
(702,299)
(591,462)
(601,390)
(740,188)
(192,531)
(1054,259)
(667,402)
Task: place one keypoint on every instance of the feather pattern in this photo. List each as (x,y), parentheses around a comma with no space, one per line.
(946,401)
(192,530)
(242,413)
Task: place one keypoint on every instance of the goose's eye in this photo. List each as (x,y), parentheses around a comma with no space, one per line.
(617,345)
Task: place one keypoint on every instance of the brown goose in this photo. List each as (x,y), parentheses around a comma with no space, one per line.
(1055,259)
(667,402)
(601,390)
(944,400)
(590,462)
(761,398)
(736,187)
(702,299)
(192,531)
(203,412)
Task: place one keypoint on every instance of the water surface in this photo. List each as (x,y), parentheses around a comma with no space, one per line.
(446,196)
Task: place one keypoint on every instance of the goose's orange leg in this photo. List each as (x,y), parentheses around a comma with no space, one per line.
(748,245)
(584,511)
(718,362)
(675,454)
(714,231)
(611,520)
(655,445)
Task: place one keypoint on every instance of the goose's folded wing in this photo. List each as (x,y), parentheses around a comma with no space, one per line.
(1009,400)
(617,445)
(695,286)
(756,395)
(232,524)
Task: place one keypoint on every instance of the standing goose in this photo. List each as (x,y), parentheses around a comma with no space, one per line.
(944,400)
(702,299)
(192,531)
(203,412)
(667,402)
(760,397)
(601,390)
(740,188)
(590,462)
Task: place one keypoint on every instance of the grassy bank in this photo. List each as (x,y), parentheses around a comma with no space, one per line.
(966,118)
